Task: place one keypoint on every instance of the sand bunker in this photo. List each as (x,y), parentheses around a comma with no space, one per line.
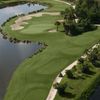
(52,30)
(21,21)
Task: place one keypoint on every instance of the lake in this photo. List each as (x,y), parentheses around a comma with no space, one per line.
(12,54)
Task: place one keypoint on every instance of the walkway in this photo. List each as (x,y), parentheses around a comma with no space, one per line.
(58,79)
(65,2)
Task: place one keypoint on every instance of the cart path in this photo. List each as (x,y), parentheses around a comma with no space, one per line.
(53,91)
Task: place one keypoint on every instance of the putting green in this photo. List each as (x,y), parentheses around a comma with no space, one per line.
(38,25)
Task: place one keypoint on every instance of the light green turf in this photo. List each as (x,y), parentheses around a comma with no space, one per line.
(36,27)
(35,75)
(33,78)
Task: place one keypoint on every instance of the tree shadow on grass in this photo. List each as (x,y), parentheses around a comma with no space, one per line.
(96,64)
(70,95)
(81,32)
(66,94)
(83,78)
(91,72)
(88,74)
(62,31)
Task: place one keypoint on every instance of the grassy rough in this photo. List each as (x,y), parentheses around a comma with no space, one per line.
(33,78)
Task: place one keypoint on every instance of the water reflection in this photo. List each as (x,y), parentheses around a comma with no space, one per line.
(10,56)
(8,12)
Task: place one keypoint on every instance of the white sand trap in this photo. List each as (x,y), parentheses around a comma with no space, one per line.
(21,20)
(52,30)
(16,27)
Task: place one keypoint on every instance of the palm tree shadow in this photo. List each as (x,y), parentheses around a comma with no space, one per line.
(67,94)
(62,31)
(70,95)
(83,78)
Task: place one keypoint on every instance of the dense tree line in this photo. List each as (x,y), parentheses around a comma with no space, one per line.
(88,9)
(82,18)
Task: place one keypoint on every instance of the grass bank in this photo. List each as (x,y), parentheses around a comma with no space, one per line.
(80,89)
(33,78)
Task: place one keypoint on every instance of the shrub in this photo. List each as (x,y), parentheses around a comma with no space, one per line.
(69,74)
(81,60)
(85,69)
(61,88)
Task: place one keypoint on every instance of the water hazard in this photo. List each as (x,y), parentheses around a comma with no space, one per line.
(12,54)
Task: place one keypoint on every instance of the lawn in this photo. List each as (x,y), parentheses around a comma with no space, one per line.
(33,77)
(76,87)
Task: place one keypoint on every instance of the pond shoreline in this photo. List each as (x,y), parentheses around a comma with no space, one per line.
(17,51)
(9,4)
(16,54)
(12,39)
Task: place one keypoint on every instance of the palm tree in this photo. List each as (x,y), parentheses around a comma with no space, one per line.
(69,14)
(69,18)
(57,23)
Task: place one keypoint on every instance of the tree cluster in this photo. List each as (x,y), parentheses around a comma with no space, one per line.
(82,18)
(89,10)
(94,56)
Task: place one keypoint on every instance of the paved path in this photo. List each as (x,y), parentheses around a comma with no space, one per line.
(65,2)
(61,1)
(58,79)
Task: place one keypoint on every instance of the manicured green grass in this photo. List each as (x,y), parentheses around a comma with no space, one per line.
(77,86)
(54,5)
(33,78)
(35,75)
(35,27)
